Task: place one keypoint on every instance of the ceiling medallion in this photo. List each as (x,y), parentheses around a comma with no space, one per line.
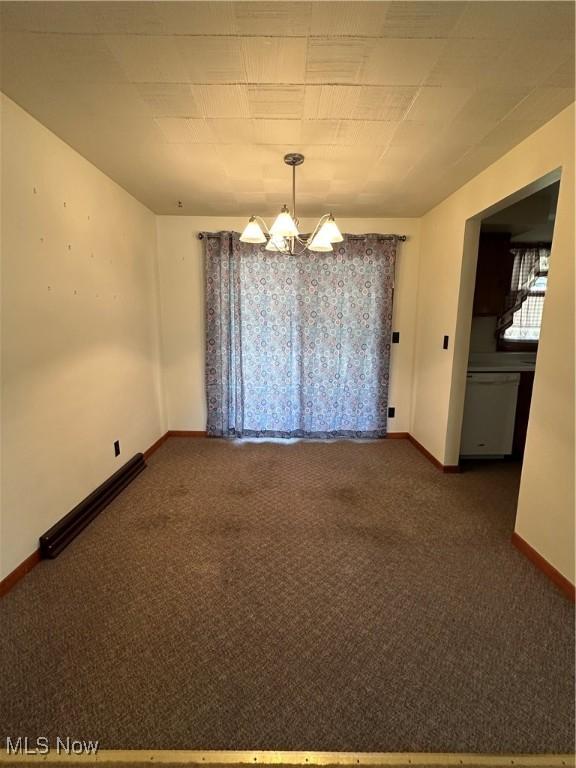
(283,235)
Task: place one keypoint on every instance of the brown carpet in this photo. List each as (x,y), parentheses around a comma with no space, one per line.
(325,596)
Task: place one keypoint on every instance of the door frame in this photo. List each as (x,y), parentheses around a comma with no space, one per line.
(465,305)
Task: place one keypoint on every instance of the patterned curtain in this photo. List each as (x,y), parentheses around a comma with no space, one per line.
(298,346)
(530,262)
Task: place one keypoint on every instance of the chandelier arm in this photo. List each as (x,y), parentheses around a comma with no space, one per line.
(289,246)
(261,221)
(315,232)
(321,221)
(298,253)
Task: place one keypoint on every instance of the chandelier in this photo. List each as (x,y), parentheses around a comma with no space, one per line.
(283,236)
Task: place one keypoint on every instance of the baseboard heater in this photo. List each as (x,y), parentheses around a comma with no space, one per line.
(66,529)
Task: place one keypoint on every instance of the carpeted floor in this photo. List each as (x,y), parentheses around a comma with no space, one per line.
(325,596)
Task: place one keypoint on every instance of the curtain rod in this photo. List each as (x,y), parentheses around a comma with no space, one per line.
(402,238)
(538,244)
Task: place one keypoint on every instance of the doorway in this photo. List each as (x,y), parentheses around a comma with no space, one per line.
(514,248)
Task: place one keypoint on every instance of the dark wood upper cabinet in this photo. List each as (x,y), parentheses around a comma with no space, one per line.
(493,274)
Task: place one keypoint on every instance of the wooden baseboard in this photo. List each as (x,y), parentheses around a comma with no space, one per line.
(543,565)
(153,448)
(21,570)
(433,459)
(397,436)
(172,433)
(186,433)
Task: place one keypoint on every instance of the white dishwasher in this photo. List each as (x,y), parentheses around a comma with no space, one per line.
(489,414)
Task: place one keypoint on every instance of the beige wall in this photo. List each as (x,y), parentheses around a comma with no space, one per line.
(182,305)
(80,362)
(546,506)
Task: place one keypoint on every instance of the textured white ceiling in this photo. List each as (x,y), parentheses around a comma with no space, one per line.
(394,104)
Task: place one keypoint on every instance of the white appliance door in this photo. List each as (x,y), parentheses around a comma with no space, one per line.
(489,414)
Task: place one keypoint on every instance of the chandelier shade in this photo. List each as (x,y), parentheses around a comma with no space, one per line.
(329,231)
(284,225)
(320,244)
(283,236)
(253,232)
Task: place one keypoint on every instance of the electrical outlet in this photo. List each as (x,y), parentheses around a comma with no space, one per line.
(116,447)
(395,337)
(391,413)
(445,343)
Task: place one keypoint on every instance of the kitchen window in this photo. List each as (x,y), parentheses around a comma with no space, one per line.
(519,326)
(527,320)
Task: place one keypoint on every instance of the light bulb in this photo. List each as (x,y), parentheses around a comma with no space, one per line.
(252,232)
(284,226)
(329,231)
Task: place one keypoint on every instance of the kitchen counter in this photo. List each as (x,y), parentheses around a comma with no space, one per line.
(501,361)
